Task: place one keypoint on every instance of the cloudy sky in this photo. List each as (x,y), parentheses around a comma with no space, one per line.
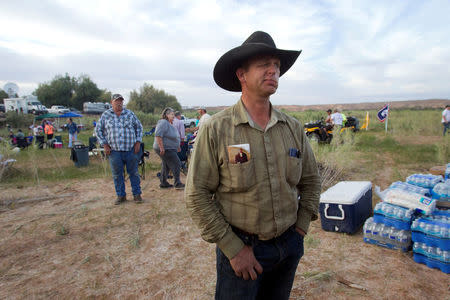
(353,51)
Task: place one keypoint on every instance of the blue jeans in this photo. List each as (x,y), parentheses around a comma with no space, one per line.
(72,137)
(446,126)
(279,258)
(119,159)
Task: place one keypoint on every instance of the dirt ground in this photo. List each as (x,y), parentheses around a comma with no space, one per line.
(72,242)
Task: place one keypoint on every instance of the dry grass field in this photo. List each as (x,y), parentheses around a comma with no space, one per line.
(64,239)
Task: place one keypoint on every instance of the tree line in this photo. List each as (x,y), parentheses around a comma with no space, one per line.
(74,91)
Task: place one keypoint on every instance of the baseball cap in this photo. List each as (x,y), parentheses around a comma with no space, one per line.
(116,97)
(201,107)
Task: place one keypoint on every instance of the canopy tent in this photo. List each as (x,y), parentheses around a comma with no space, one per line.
(70,115)
(57,117)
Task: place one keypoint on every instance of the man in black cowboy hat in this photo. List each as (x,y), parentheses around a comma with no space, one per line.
(257,212)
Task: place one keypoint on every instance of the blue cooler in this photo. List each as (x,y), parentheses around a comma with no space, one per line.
(345,206)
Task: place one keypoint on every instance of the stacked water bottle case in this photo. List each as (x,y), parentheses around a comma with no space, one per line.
(431,237)
(410,213)
(390,227)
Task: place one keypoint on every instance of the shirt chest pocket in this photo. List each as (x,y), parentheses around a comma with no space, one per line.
(238,177)
(293,170)
(127,124)
(109,124)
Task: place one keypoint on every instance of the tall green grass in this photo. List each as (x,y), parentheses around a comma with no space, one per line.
(35,166)
(413,143)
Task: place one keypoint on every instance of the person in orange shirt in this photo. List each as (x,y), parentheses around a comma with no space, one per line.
(49,129)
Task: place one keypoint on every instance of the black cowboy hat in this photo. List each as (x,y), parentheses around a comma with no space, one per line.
(257,43)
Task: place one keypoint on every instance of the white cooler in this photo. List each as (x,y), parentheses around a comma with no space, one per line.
(345,206)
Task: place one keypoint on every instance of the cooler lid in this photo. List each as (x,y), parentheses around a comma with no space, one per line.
(345,192)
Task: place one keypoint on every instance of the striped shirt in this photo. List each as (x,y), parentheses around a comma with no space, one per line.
(119,132)
(259,196)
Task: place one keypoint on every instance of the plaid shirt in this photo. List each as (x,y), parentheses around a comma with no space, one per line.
(119,132)
(259,196)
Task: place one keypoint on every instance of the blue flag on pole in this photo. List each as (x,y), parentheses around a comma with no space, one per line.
(383,113)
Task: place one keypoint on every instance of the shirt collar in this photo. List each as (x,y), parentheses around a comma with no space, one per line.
(111,111)
(241,116)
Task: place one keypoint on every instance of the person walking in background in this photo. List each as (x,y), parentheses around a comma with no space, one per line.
(49,130)
(204,116)
(257,212)
(179,126)
(167,145)
(36,130)
(119,131)
(196,121)
(328,123)
(73,131)
(446,118)
(337,119)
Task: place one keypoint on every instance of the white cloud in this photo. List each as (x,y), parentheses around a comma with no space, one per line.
(352,51)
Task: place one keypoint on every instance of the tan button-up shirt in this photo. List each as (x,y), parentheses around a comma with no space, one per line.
(260,196)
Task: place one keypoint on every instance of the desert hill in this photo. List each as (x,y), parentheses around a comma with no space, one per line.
(409,104)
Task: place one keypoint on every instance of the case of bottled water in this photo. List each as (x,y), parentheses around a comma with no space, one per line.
(427,181)
(433,231)
(431,237)
(386,236)
(345,206)
(393,215)
(441,193)
(410,187)
(409,199)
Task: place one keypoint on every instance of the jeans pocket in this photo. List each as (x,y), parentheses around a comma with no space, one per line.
(223,263)
(297,243)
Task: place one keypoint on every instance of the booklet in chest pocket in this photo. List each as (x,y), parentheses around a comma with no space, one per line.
(239,154)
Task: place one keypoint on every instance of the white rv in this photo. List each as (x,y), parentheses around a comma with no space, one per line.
(27,105)
(95,107)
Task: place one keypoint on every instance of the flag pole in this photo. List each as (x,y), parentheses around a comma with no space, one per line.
(387,120)
(367,120)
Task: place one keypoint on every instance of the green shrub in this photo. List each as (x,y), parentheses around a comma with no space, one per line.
(18,120)
(147,120)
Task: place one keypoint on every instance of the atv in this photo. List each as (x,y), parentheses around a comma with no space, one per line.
(315,131)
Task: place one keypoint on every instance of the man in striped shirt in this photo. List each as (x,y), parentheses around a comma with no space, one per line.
(119,131)
(257,210)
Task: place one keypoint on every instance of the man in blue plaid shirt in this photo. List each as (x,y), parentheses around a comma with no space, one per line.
(119,131)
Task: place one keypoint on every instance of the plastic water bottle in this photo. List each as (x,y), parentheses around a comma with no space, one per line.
(414,225)
(393,236)
(368,226)
(385,234)
(404,239)
(376,231)
(446,256)
(445,233)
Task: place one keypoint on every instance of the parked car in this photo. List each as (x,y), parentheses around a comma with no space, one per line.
(188,122)
(2,107)
(27,105)
(74,110)
(58,109)
(95,107)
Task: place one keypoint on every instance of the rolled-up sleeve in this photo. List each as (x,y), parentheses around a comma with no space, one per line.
(202,182)
(138,129)
(99,131)
(309,186)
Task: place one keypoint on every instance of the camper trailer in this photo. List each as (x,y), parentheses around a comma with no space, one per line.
(95,107)
(27,105)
